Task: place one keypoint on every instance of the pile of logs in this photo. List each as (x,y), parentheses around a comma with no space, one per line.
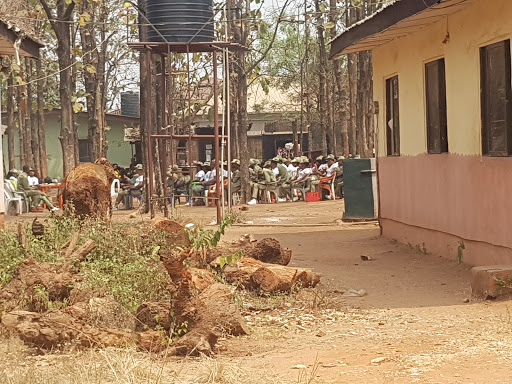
(201,310)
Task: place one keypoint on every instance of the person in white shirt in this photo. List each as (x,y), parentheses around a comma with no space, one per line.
(332,166)
(33,181)
(136,190)
(200,185)
(292,168)
(199,176)
(303,175)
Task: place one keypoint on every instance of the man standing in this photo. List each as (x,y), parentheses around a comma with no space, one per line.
(136,190)
(33,193)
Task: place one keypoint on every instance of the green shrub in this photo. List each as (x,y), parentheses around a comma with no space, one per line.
(125,262)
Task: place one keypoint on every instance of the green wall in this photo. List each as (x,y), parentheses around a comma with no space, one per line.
(118,152)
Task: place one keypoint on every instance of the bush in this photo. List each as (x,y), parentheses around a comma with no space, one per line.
(125,263)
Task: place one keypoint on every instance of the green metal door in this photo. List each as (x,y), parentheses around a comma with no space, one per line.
(359,184)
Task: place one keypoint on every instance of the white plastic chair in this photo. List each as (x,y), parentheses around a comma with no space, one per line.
(10,198)
(24,198)
(115,188)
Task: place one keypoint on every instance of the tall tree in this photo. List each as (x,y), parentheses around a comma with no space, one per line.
(322,131)
(41,124)
(60,16)
(92,20)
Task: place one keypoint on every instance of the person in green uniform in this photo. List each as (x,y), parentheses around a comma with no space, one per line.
(35,195)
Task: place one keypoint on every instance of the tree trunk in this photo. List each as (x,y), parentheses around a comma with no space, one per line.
(11,155)
(269,278)
(61,24)
(243,126)
(41,131)
(34,137)
(20,100)
(94,78)
(143,105)
(322,87)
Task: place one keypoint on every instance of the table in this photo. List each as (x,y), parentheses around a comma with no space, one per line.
(49,187)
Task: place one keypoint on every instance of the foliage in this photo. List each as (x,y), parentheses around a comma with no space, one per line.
(229,259)
(204,239)
(125,263)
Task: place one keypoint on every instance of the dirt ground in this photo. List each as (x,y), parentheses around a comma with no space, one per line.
(413,323)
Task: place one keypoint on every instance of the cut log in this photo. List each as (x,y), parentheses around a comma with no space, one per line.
(87,189)
(72,245)
(200,306)
(208,316)
(175,232)
(54,329)
(81,253)
(151,315)
(269,278)
(31,277)
(269,251)
(201,278)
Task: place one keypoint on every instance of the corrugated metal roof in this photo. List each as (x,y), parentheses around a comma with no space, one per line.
(11,35)
(393,21)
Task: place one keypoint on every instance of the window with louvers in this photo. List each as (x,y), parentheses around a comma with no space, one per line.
(496,97)
(435,88)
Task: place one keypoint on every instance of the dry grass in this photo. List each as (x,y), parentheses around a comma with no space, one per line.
(22,365)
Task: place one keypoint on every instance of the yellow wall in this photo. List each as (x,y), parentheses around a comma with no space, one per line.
(482,23)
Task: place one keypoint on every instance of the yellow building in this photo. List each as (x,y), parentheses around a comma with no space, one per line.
(442,81)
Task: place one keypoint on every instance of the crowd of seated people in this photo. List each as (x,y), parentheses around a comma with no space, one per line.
(281,179)
(26,184)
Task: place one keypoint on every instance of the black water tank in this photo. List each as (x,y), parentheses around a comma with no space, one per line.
(180,20)
(130,104)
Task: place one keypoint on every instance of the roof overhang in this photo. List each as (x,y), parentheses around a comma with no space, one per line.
(396,20)
(10,35)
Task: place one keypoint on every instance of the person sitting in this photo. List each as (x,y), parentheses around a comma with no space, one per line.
(303,175)
(268,179)
(33,180)
(117,171)
(255,173)
(172,177)
(12,176)
(135,190)
(281,173)
(182,184)
(317,172)
(332,167)
(236,181)
(338,180)
(207,180)
(33,193)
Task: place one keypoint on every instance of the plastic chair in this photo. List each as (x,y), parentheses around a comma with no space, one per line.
(327,183)
(8,185)
(10,198)
(304,189)
(270,189)
(115,188)
(213,193)
(128,198)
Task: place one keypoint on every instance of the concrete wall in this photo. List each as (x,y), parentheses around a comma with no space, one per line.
(119,151)
(442,199)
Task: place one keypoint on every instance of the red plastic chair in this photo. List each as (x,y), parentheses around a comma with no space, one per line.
(328,184)
(213,193)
